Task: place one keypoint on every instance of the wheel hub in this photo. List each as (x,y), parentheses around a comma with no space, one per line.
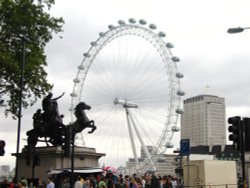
(125,103)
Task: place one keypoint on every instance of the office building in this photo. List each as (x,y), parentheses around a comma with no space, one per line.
(203,120)
(4,170)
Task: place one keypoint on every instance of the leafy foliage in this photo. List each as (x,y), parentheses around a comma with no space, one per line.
(25,26)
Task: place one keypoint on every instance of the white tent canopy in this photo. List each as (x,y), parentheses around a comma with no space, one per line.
(80,171)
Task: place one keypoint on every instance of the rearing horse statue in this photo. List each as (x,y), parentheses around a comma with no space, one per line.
(82,121)
(52,127)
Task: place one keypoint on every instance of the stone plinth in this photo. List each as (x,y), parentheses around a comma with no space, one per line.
(53,158)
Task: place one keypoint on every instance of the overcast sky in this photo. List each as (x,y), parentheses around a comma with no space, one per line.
(212,61)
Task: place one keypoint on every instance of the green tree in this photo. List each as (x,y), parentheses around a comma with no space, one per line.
(29,19)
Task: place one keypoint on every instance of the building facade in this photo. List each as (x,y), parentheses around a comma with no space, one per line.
(203,120)
(4,170)
(164,164)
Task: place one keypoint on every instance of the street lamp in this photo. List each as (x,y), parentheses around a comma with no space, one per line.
(24,41)
(237,29)
(241,123)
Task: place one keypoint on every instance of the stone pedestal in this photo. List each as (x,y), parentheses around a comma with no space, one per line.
(49,158)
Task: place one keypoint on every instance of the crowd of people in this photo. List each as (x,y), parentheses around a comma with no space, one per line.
(110,180)
(27,183)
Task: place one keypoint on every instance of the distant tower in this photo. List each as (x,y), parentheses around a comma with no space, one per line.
(4,170)
(203,120)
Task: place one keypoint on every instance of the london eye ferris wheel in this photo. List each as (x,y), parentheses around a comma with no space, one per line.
(130,78)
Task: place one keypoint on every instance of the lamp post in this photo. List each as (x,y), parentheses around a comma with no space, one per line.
(24,41)
(234,30)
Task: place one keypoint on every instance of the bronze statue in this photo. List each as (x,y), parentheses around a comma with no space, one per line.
(82,119)
(50,108)
(49,125)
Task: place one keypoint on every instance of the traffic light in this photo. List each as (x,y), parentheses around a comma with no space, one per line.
(67,142)
(2,145)
(235,130)
(36,161)
(247,133)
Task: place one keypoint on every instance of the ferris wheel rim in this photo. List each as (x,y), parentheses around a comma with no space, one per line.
(161,45)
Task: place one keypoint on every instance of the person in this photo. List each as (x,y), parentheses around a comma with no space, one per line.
(155,183)
(66,182)
(50,105)
(5,183)
(133,183)
(41,184)
(78,183)
(37,120)
(148,180)
(46,102)
(86,183)
(120,183)
(1,102)
(174,182)
(31,185)
(142,181)
(109,182)
(92,181)
(82,181)
(50,183)
(126,181)
(13,183)
(51,116)
(163,182)
(24,182)
(102,183)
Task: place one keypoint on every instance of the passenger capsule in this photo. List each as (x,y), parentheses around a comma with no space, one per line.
(86,55)
(121,22)
(175,129)
(132,20)
(161,34)
(152,26)
(101,34)
(169,145)
(76,80)
(142,22)
(176,59)
(80,67)
(180,93)
(179,75)
(111,27)
(93,43)
(169,45)
(179,111)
